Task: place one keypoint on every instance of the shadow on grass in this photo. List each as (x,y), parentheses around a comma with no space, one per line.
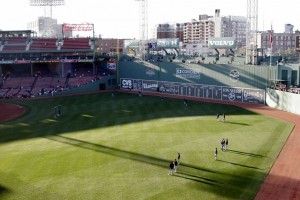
(3,190)
(238,164)
(131,155)
(245,153)
(193,178)
(198,178)
(236,123)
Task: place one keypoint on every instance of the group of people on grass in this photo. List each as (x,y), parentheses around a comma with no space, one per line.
(174,164)
(224,147)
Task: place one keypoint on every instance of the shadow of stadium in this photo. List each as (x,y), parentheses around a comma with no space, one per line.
(35,123)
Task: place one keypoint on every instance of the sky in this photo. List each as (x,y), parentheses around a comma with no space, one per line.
(120,18)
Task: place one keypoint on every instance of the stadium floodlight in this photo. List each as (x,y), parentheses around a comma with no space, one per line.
(47,2)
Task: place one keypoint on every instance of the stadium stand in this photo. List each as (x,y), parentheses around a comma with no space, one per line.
(43,44)
(75,43)
(14,44)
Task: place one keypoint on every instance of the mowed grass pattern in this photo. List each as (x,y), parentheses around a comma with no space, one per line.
(105,147)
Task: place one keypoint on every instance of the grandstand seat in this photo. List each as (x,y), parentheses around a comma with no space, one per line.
(76,43)
(43,44)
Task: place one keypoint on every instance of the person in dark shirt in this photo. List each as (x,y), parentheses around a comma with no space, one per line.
(175,165)
(223,144)
(216,154)
(171,168)
(178,158)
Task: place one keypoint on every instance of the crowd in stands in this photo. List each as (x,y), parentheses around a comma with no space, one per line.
(28,87)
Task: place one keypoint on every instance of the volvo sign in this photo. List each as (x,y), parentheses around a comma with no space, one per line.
(222,43)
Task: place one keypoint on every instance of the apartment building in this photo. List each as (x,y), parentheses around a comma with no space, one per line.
(281,42)
(170,30)
(198,31)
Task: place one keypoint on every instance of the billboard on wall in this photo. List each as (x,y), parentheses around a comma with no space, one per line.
(168,43)
(222,43)
(213,92)
(188,73)
(111,64)
(126,84)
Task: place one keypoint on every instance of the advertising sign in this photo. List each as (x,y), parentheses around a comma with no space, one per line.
(126,83)
(168,87)
(232,94)
(222,43)
(187,73)
(168,43)
(137,85)
(111,64)
(253,96)
(150,86)
(6,61)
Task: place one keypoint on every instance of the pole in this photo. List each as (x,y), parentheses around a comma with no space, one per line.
(271,44)
(117,62)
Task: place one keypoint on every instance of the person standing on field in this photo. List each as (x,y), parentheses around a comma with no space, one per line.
(175,165)
(216,153)
(218,117)
(178,158)
(171,168)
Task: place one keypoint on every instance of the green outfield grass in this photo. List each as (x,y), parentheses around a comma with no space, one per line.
(105,147)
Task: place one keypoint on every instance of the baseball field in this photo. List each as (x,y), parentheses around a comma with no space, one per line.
(119,147)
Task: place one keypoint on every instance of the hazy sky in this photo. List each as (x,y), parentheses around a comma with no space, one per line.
(120,18)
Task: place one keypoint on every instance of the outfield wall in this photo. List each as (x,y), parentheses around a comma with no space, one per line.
(281,100)
(242,76)
(105,83)
(212,92)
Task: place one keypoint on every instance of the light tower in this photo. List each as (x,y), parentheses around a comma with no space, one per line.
(47,4)
(251,32)
(143,27)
